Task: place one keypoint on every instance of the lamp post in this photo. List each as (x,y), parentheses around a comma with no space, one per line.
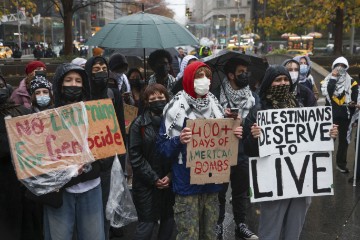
(238,21)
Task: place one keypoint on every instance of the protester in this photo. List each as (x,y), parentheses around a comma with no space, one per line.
(153,197)
(81,211)
(41,94)
(237,99)
(195,209)
(303,94)
(204,52)
(305,77)
(79,61)
(160,61)
(21,95)
(137,84)
(97,70)
(15,224)
(340,91)
(280,219)
(176,63)
(179,78)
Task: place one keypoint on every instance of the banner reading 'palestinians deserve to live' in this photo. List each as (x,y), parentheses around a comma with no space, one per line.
(53,140)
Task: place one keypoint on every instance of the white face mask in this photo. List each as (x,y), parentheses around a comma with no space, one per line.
(202,86)
(294,76)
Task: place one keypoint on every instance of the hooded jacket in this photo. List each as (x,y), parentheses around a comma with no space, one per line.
(303,95)
(21,95)
(251,144)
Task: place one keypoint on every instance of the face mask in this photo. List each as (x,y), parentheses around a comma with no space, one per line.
(72,93)
(294,76)
(242,80)
(202,86)
(163,70)
(136,83)
(303,69)
(43,101)
(157,107)
(100,79)
(4,95)
(278,92)
(341,70)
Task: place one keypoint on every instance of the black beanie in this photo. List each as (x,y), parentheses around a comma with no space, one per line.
(116,61)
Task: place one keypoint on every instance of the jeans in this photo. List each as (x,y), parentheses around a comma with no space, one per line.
(85,210)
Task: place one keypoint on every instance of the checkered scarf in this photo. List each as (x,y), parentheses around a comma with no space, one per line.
(281,97)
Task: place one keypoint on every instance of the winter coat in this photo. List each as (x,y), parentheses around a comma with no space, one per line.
(21,95)
(148,166)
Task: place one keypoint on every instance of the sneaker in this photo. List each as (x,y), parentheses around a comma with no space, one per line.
(342,170)
(243,232)
(219,231)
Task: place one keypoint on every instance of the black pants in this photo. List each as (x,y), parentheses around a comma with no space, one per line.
(239,179)
(341,154)
(144,230)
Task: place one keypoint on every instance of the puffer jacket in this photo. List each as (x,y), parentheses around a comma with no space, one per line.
(148,166)
(21,95)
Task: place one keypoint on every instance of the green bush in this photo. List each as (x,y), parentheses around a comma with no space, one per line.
(278,51)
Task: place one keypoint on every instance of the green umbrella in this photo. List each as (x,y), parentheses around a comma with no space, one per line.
(142,30)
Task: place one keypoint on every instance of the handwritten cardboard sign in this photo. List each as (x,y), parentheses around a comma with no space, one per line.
(55,139)
(291,130)
(130,113)
(212,150)
(295,154)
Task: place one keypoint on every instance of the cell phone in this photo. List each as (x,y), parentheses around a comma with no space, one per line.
(234,110)
(40,73)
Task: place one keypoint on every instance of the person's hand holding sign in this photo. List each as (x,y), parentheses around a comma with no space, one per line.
(238,131)
(185,135)
(334,131)
(255,130)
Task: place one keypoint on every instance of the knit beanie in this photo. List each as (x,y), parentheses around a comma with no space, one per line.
(116,61)
(31,66)
(39,82)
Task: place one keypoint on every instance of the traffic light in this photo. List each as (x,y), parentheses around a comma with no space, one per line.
(187,12)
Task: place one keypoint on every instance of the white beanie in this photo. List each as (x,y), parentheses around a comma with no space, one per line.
(79,61)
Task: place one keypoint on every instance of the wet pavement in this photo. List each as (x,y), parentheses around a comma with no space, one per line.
(328,218)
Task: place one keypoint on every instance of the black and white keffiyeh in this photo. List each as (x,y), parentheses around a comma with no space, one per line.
(241,99)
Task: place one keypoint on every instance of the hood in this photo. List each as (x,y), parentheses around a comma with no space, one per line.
(58,78)
(117,60)
(297,58)
(189,77)
(90,62)
(184,63)
(271,73)
(340,60)
(289,60)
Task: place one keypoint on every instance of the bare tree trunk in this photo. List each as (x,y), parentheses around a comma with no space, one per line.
(68,32)
(338,31)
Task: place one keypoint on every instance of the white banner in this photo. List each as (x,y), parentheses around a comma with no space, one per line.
(295,130)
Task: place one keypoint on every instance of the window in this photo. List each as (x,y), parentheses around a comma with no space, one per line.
(220,3)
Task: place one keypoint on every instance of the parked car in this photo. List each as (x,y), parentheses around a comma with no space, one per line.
(5,52)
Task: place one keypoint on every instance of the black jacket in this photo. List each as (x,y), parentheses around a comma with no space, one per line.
(148,166)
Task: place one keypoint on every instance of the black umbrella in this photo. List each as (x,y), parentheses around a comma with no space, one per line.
(257,66)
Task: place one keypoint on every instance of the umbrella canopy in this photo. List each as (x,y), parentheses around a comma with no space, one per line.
(257,66)
(287,35)
(142,30)
(315,35)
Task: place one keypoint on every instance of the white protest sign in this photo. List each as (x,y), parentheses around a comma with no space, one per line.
(303,174)
(295,130)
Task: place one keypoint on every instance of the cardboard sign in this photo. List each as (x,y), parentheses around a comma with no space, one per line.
(53,140)
(295,130)
(130,113)
(212,150)
(295,158)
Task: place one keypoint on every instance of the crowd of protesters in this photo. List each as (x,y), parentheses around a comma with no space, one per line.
(179,89)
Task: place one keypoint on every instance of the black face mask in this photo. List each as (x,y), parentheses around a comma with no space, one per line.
(136,83)
(72,93)
(4,95)
(100,80)
(162,70)
(157,107)
(242,80)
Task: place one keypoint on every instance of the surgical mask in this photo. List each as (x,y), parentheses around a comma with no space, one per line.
(72,93)
(43,101)
(294,76)
(157,107)
(341,70)
(242,80)
(304,69)
(100,79)
(202,86)
(163,70)
(4,95)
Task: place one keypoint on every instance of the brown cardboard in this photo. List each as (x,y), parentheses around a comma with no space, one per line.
(130,113)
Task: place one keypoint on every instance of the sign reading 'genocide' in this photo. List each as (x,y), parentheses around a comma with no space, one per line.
(295,154)
(74,134)
(212,150)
